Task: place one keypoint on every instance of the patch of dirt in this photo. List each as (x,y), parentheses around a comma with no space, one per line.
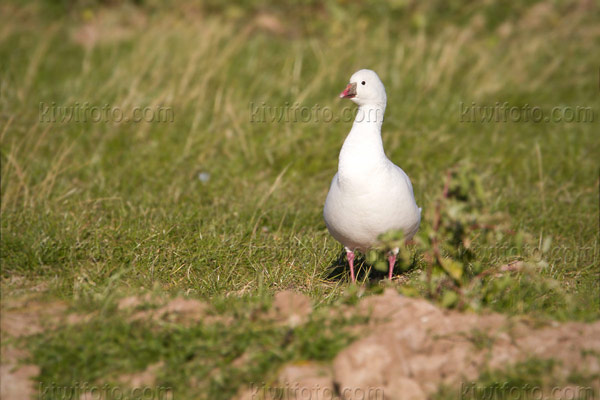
(16,379)
(242,360)
(145,378)
(307,380)
(178,310)
(30,315)
(24,317)
(134,302)
(413,347)
(22,313)
(291,308)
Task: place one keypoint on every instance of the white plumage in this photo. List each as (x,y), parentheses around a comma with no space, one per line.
(369,195)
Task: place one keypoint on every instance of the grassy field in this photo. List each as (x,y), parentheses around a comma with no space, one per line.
(206,198)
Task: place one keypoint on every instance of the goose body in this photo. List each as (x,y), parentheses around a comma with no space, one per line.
(369,195)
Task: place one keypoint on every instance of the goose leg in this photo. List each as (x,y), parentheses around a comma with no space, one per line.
(350,257)
(392,261)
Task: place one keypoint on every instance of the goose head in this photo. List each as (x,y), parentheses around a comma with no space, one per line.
(365,88)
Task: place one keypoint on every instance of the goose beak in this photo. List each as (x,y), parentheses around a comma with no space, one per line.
(349,92)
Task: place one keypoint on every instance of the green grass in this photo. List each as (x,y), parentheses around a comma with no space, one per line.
(94,209)
(205,353)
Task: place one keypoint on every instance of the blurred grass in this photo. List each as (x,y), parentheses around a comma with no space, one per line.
(201,360)
(95,208)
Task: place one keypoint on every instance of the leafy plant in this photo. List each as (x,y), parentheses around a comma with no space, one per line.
(463,248)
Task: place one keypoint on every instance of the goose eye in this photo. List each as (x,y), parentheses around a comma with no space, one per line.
(363,83)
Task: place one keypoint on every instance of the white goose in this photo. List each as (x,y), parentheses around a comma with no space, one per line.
(369,195)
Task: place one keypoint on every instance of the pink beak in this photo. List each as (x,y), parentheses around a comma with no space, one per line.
(349,92)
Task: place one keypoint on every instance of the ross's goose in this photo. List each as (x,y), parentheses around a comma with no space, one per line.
(369,195)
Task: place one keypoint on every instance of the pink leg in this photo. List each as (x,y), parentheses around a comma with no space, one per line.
(350,257)
(392,261)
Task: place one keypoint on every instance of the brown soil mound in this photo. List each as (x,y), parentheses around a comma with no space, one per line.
(414,347)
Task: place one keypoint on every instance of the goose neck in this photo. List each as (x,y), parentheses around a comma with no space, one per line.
(370,115)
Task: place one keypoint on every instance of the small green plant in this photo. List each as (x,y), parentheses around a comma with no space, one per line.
(470,255)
